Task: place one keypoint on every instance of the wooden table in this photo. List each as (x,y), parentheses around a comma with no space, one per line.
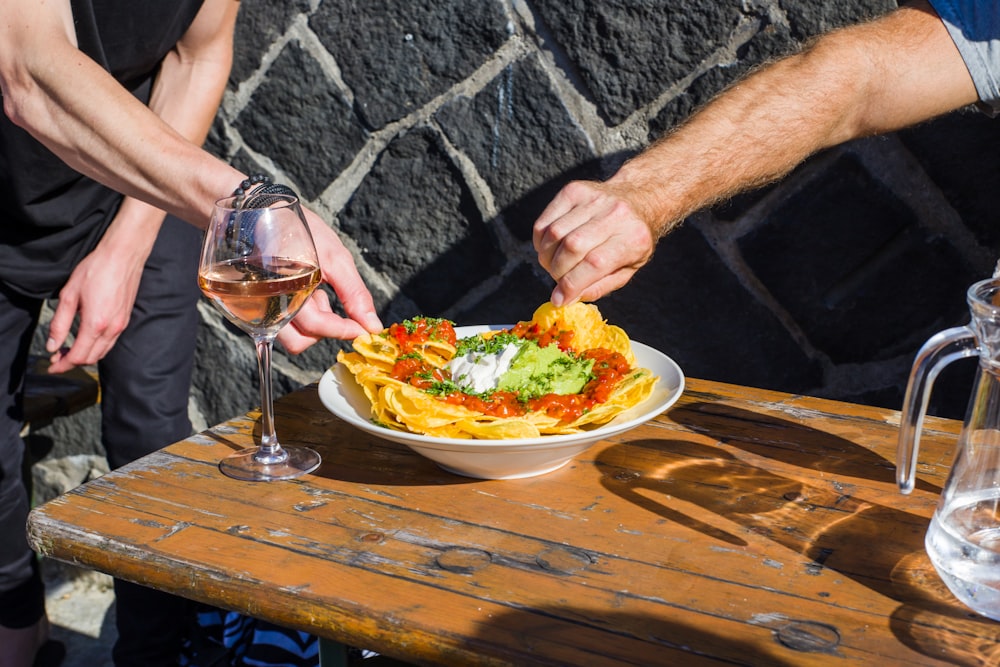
(741,527)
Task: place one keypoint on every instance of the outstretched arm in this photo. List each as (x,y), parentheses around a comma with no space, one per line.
(49,87)
(102,288)
(867,79)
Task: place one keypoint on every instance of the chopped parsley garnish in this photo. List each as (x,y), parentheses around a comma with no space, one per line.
(412,325)
(420,330)
(442,388)
(491,345)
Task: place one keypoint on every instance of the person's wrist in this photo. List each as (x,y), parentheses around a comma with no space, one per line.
(248,183)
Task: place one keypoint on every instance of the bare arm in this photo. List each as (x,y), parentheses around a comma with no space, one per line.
(103,287)
(186,96)
(49,87)
(863,80)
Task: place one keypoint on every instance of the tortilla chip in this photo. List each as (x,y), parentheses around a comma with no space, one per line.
(401,406)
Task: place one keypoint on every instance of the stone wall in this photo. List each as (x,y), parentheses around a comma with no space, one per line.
(431,133)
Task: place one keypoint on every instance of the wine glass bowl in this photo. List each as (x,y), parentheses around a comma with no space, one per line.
(259,300)
(258,267)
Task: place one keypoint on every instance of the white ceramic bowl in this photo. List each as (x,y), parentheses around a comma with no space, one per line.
(504,459)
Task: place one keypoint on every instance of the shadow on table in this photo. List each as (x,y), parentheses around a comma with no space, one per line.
(348,454)
(878,546)
(788,441)
(938,626)
(370,460)
(831,529)
(938,632)
(641,640)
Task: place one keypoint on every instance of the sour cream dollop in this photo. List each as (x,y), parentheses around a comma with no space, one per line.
(476,372)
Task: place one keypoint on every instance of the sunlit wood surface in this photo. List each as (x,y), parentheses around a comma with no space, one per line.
(741,527)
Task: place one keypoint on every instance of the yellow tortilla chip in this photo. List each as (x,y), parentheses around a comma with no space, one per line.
(588,326)
(399,405)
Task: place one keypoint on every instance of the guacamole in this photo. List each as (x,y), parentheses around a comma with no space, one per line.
(536,371)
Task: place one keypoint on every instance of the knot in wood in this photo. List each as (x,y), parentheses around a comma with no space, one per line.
(809,636)
(462,560)
(565,561)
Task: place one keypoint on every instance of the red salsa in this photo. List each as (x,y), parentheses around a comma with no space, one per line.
(608,370)
(553,334)
(411,368)
(411,334)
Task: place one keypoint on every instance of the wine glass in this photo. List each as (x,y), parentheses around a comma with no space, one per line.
(258,266)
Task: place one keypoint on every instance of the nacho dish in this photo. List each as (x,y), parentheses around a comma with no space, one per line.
(564,371)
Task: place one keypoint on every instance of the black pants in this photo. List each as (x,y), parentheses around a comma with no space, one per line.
(145,385)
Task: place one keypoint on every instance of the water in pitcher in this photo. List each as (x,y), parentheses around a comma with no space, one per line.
(963,542)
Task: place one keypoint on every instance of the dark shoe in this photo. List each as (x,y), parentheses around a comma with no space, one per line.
(50,654)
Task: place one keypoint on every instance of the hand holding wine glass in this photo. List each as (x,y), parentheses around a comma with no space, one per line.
(258,266)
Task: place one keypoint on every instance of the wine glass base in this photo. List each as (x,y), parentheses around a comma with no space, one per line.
(245,466)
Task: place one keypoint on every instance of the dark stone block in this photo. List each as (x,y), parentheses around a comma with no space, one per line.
(217,142)
(217,352)
(738,205)
(770,42)
(959,152)
(521,139)
(415,221)
(688,305)
(521,292)
(840,257)
(627,52)
(952,391)
(301,121)
(398,55)
(258,26)
(318,357)
(245,163)
(949,397)
(808,18)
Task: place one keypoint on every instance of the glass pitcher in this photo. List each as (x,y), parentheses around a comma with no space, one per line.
(963,540)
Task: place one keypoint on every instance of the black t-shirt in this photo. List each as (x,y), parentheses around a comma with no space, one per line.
(50,215)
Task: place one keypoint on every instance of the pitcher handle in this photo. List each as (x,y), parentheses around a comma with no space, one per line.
(940,350)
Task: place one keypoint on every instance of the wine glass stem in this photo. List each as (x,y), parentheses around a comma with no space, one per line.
(270,451)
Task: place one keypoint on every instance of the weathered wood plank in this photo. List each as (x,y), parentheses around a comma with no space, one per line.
(741,527)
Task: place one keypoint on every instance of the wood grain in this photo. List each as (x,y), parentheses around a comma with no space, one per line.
(741,527)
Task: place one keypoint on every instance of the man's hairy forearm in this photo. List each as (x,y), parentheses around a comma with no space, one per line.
(847,85)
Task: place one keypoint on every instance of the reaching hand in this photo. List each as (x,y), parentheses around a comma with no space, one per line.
(591,240)
(102,290)
(317,320)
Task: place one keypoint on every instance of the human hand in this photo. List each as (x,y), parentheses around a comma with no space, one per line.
(102,290)
(316,320)
(591,239)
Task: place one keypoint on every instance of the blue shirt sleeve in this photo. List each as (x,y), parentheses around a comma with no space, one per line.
(974,26)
